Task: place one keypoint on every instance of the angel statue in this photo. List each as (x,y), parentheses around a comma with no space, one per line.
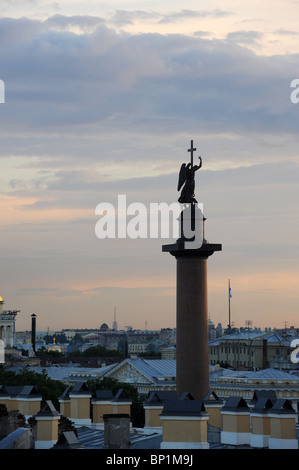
(187,178)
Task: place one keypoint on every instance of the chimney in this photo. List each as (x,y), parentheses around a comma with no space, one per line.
(33,330)
(235,422)
(47,421)
(282,425)
(116,431)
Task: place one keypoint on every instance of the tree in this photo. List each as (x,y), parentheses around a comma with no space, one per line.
(48,388)
(109,383)
(46,352)
(95,351)
(59,338)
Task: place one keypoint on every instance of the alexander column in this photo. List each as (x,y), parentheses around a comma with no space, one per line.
(191,251)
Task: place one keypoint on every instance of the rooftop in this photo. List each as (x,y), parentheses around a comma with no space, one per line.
(263,374)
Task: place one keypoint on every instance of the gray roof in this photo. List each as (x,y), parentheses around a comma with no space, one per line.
(248,334)
(48,410)
(270,337)
(155,370)
(265,374)
(122,396)
(103,394)
(79,388)
(184,408)
(276,338)
(68,440)
(235,404)
(94,439)
(107,395)
(65,394)
(22,391)
(8,442)
(268,394)
(282,405)
(159,397)
(270,373)
(211,397)
(66,373)
(263,405)
(3,391)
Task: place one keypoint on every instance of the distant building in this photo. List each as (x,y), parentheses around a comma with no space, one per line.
(69,334)
(137,347)
(219,330)
(248,349)
(226,383)
(145,374)
(168,353)
(7,325)
(104,327)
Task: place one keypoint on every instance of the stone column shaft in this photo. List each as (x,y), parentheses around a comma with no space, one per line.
(192,342)
(192,327)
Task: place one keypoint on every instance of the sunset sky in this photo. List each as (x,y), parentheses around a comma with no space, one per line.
(101,100)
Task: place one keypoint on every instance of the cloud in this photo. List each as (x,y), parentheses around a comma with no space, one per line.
(286,32)
(174,17)
(46,292)
(84,24)
(125,17)
(91,113)
(245,37)
(58,81)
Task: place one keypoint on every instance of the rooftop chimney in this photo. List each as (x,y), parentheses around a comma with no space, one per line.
(33,330)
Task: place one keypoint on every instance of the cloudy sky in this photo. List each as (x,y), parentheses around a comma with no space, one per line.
(101,100)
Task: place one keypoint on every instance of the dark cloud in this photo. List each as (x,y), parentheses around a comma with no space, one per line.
(286,32)
(245,37)
(74,85)
(85,23)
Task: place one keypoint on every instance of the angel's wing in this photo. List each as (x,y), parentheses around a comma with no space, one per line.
(182,176)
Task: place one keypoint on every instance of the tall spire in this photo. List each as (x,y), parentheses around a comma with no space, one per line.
(114,327)
(1,304)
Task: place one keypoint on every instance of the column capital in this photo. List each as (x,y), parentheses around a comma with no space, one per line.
(177,249)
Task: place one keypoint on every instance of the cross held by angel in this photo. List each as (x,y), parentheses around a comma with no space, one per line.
(187,179)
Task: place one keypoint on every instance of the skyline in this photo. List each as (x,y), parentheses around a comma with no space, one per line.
(103,100)
(109,323)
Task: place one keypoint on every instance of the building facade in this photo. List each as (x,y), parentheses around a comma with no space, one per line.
(7,325)
(251,349)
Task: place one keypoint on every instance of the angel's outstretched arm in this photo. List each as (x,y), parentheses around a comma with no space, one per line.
(197,167)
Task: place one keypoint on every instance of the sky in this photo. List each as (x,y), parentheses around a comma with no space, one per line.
(102,100)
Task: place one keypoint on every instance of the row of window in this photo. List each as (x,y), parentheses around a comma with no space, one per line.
(237,350)
(235,363)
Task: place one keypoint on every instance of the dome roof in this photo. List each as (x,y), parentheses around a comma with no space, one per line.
(104,327)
